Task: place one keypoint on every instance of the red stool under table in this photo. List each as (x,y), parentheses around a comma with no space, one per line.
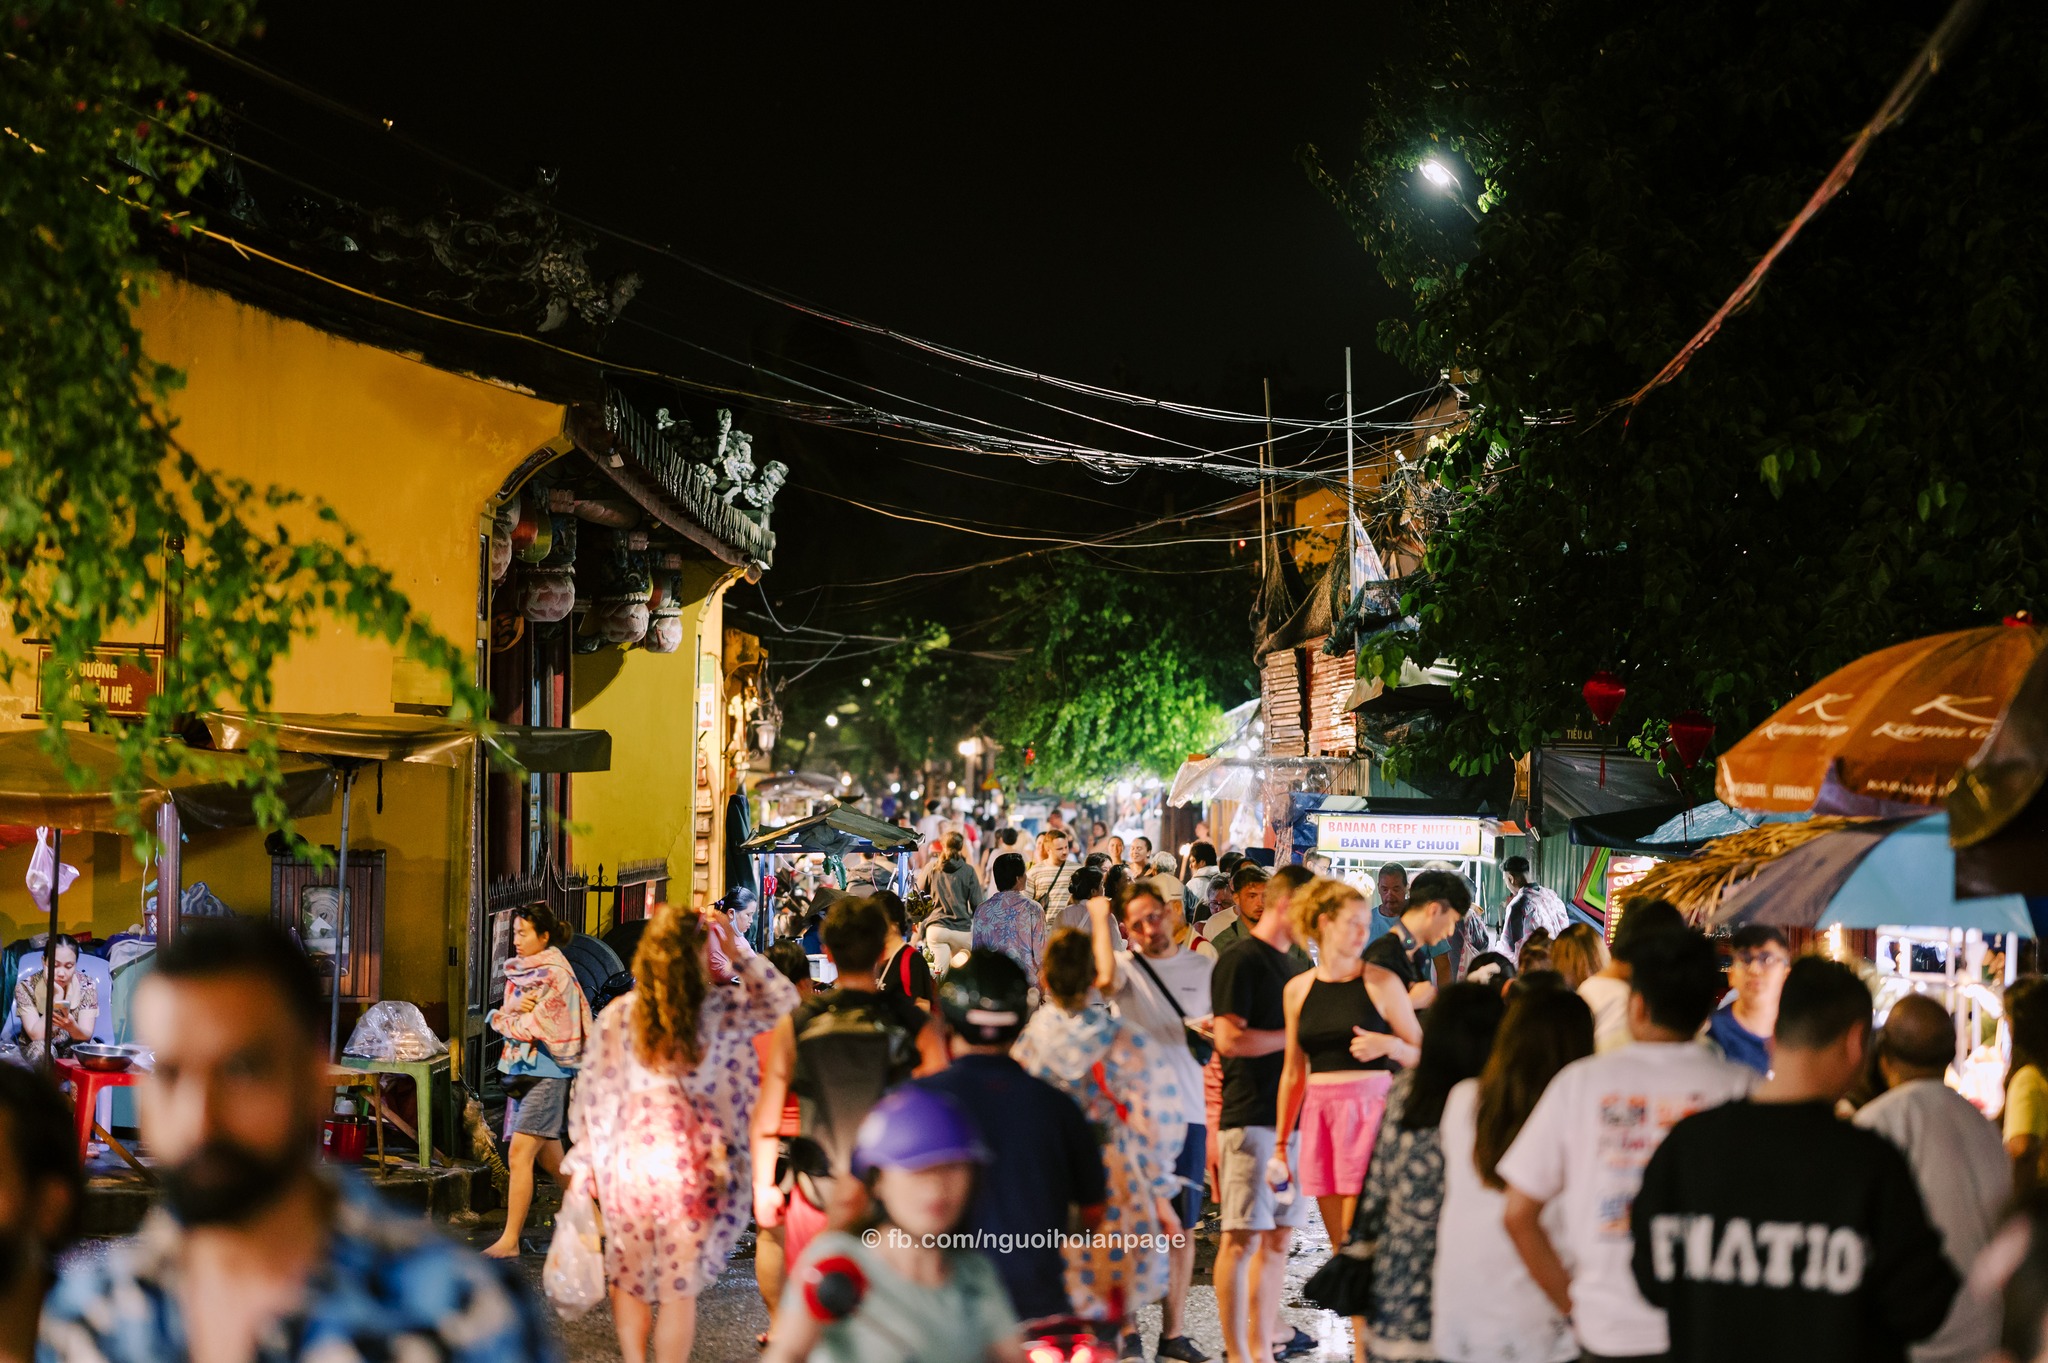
(85,1090)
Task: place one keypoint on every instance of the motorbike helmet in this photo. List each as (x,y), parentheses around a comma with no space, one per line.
(915,1128)
(985,998)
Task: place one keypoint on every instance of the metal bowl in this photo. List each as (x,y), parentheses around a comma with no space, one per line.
(95,1056)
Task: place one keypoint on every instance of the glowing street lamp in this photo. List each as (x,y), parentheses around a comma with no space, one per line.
(831,721)
(1439,174)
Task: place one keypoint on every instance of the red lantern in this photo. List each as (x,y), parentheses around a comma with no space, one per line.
(1604,694)
(1691,732)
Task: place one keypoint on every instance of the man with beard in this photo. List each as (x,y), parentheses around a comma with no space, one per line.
(256,1250)
(42,1191)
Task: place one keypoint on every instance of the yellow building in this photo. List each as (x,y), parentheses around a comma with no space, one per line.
(581,546)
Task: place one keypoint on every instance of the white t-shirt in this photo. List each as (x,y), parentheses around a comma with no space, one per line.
(1965,1178)
(1586,1144)
(931,828)
(1139,1002)
(1487,1307)
(1608,998)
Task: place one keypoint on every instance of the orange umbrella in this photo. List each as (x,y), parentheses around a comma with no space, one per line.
(1896,725)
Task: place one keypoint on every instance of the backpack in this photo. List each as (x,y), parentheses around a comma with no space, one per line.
(848,1054)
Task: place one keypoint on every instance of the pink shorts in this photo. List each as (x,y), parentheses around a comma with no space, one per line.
(1340,1120)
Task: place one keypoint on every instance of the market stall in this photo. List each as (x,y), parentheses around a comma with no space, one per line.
(832,835)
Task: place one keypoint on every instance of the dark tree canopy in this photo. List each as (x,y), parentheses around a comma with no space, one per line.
(1853,461)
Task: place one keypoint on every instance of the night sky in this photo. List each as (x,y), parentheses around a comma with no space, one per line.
(1109,197)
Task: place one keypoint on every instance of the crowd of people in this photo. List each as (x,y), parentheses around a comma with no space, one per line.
(1014,1105)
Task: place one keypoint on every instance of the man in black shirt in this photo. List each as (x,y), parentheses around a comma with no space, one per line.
(1246,993)
(1437,902)
(1771,1229)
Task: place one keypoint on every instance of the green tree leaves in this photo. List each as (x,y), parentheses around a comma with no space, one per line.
(100,507)
(1852,461)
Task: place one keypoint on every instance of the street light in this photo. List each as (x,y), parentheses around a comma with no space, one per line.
(867,681)
(1439,174)
(831,721)
(970,747)
(895,787)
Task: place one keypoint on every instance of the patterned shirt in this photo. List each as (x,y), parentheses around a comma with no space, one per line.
(390,1288)
(1013,924)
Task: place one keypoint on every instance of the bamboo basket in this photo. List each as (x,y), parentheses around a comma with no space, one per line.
(1694,885)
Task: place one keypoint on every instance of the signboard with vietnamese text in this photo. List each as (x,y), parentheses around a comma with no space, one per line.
(1394,836)
(123,677)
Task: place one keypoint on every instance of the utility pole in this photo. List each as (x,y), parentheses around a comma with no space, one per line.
(1267,456)
(1350,471)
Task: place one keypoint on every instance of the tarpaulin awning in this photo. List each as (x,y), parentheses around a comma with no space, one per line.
(837,830)
(413,738)
(34,791)
(1565,784)
(2011,770)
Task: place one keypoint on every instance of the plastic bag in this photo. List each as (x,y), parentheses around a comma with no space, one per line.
(393,1031)
(573,1277)
(43,867)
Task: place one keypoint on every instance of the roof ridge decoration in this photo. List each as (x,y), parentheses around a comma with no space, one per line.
(711,478)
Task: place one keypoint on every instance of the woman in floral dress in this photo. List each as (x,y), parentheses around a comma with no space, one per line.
(659,1123)
(1118,1077)
(1390,1252)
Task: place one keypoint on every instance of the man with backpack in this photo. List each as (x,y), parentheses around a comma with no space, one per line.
(838,1053)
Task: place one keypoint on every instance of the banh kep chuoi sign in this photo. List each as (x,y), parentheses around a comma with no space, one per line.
(1393,836)
(123,677)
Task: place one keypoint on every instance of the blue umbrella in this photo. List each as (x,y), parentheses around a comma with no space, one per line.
(1880,875)
(1909,879)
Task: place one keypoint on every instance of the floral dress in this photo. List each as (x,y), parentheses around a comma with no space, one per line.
(1404,1193)
(1104,1065)
(665,1150)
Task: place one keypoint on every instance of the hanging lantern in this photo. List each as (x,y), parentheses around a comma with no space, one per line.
(621,619)
(547,595)
(664,630)
(1691,732)
(1604,694)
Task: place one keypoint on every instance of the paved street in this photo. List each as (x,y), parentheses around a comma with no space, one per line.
(730,1314)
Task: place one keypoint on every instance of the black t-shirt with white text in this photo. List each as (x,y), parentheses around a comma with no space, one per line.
(1778,1231)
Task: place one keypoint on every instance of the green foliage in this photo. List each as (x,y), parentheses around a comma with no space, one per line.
(96,493)
(1852,461)
(924,700)
(1121,674)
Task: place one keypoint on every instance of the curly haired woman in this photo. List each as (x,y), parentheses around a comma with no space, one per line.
(660,1120)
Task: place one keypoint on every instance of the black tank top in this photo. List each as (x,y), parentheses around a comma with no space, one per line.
(1328,1014)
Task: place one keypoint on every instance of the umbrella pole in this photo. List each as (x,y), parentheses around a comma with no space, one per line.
(50,954)
(348,785)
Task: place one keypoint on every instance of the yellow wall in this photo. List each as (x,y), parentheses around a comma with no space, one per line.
(407,455)
(645,806)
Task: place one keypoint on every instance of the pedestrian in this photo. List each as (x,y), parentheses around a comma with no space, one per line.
(1492,968)
(1164,870)
(2014,1270)
(957,889)
(1530,907)
(1007,841)
(1230,920)
(889,1288)
(1485,1307)
(931,827)
(904,971)
(1825,1256)
(1743,1024)
(1162,988)
(546,1022)
(255,1249)
(672,1069)
(1578,954)
(2026,1082)
(1393,887)
(837,1052)
(1535,953)
(1248,997)
(1011,921)
(1201,877)
(1350,1027)
(1436,903)
(1098,836)
(1395,1231)
(1958,1162)
(1087,883)
(1048,881)
(1120,1079)
(1606,993)
(770,1261)
(1141,858)
(42,1198)
(1596,1126)
(1115,848)
(1044,1167)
